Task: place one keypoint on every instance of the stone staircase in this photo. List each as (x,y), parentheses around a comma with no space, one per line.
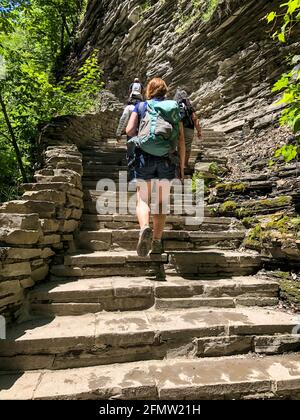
(105,326)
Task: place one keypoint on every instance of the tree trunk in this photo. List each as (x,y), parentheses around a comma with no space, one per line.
(62,38)
(65,24)
(13,140)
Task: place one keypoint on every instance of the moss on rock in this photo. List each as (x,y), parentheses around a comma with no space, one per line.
(233,187)
(227,207)
(290,292)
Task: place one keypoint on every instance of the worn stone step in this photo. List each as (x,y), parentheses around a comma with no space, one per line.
(105,338)
(97,175)
(105,158)
(214,224)
(221,302)
(90,207)
(97,167)
(138,303)
(212,143)
(90,182)
(219,378)
(107,258)
(113,263)
(78,297)
(179,196)
(107,239)
(189,264)
(210,158)
(213,262)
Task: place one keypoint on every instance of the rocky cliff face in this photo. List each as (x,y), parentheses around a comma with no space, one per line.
(227,62)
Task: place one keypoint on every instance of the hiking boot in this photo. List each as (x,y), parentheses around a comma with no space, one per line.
(160,274)
(157,247)
(144,244)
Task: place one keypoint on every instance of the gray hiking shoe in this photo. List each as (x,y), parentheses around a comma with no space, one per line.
(157,247)
(144,244)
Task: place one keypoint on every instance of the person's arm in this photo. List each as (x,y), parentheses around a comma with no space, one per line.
(181,151)
(197,125)
(132,126)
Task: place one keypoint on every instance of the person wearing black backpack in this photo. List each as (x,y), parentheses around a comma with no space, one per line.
(190,122)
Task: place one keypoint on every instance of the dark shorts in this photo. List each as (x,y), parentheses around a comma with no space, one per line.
(147,167)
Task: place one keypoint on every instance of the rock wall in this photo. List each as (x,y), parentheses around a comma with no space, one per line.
(83,129)
(39,226)
(228,64)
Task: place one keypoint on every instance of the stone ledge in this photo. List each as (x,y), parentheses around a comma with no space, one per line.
(218,378)
(36,227)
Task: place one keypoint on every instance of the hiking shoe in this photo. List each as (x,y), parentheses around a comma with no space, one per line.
(157,247)
(144,244)
(160,274)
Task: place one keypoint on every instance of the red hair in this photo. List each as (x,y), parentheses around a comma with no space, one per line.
(156,88)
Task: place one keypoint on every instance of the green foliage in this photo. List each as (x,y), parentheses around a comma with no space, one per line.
(210,178)
(200,176)
(30,45)
(284,224)
(210,8)
(216,169)
(249,222)
(289,17)
(289,83)
(146,7)
(288,152)
(196,10)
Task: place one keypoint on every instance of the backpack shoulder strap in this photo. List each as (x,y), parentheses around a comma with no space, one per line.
(142,109)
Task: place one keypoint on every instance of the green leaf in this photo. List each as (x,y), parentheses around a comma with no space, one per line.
(271,16)
(282,83)
(296,124)
(281,37)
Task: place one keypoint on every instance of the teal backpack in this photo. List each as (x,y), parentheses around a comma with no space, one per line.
(159,128)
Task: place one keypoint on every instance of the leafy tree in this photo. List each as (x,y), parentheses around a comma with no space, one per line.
(289,83)
(30,45)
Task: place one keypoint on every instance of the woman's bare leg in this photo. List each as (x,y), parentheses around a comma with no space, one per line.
(143,203)
(143,214)
(159,219)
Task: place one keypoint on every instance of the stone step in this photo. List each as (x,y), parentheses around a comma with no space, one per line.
(96,175)
(96,167)
(219,378)
(78,297)
(209,224)
(90,183)
(178,195)
(211,143)
(105,158)
(113,263)
(108,156)
(223,302)
(119,156)
(106,239)
(210,158)
(104,338)
(189,264)
(90,207)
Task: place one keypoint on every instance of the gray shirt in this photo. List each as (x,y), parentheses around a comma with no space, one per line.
(124,120)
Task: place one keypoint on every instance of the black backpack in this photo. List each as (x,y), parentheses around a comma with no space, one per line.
(186,114)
